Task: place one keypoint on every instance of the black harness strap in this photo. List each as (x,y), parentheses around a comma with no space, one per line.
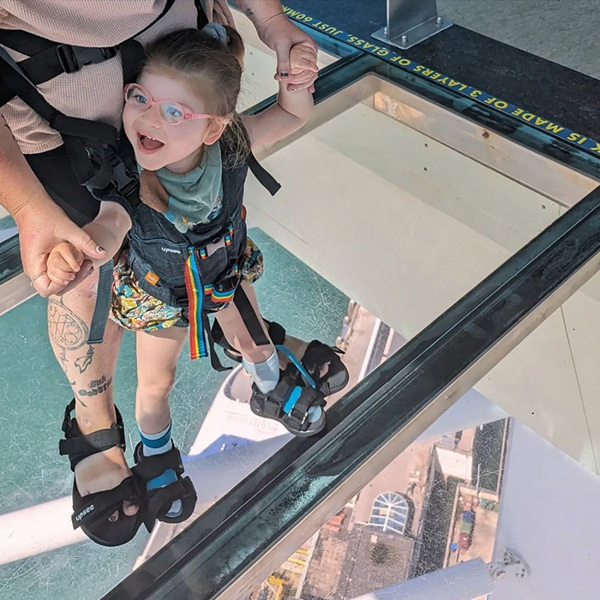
(102,308)
(202,19)
(249,317)
(49,59)
(215,363)
(26,43)
(74,126)
(264,177)
(63,58)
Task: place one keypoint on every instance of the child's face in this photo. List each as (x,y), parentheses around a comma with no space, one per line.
(158,144)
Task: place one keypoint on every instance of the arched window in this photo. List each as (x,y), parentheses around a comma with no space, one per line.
(390,512)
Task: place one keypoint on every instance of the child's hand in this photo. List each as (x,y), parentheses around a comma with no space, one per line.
(64,262)
(303,60)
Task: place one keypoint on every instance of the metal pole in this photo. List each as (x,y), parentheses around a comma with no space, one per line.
(410,22)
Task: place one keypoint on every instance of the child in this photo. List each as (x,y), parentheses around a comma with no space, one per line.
(188,253)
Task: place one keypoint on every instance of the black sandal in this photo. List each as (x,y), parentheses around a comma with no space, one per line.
(91,512)
(336,378)
(160,499)
(300,388)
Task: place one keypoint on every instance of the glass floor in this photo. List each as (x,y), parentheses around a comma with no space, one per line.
(392,209)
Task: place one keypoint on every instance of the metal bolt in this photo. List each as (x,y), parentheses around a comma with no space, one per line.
(439,21)
(385,31)
(404,39)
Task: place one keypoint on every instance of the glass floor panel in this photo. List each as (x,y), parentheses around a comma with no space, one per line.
(35,479)
(476,487)
(414,209)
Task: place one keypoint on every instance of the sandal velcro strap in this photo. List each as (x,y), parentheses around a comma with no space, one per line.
(308,398)
(99,506)
(77,446)
(293,389)
(158,463)
(160,500)
(272,403)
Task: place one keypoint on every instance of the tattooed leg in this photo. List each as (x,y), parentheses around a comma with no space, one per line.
(89,370)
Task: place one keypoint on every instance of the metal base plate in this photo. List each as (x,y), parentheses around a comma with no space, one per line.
(414,36)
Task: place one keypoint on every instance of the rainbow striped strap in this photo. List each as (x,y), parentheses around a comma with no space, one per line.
(195,292)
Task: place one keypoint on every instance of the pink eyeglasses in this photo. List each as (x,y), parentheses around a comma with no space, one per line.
(170,111)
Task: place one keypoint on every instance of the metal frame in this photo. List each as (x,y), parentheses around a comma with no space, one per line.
(410,22)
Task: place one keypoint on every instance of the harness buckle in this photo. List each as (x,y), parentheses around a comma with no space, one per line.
(216,244)
(124,180)
(73,58)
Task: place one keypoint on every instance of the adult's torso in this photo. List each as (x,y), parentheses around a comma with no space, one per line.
(96,91)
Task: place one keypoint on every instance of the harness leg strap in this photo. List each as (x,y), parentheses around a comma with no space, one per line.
(102,308)
(251,321)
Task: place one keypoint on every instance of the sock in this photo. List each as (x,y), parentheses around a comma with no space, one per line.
(159,443)
(266,376)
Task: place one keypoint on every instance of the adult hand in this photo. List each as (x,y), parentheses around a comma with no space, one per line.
(281,35)
(41,228)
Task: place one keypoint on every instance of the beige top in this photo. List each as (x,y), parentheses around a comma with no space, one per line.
(95,92)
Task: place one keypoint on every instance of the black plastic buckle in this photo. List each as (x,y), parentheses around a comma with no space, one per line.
(73,58)
(124,180)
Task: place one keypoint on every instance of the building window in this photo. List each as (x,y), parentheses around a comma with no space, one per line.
(390,512)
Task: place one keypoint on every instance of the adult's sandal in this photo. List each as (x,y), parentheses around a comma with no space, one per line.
(93,512)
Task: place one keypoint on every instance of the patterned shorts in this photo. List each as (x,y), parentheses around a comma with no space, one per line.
(136,310)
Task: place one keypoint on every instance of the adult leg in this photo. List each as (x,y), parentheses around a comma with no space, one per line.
(90,371)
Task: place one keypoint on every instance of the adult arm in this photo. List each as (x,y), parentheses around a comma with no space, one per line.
(42,224)
(280,34)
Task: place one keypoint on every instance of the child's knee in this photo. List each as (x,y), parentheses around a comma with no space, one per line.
(156,387)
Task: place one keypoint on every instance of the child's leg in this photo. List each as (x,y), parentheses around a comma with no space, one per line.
(261,362)
(157,355)
(237,334)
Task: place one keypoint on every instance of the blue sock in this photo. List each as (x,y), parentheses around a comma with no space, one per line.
(159,443)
